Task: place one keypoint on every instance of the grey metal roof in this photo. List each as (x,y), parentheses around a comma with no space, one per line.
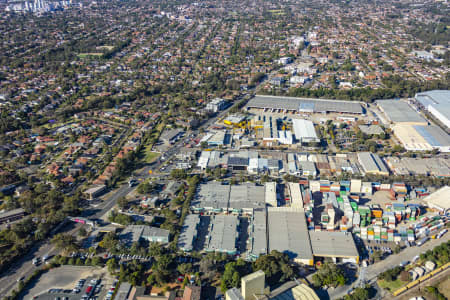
(399,111)
(223,234)
(439,99)
(434,135)
(237,161)
(258,233)
(371,162)
(188,232)
(133,233)
(297,104)
(333,244)
(247,196)
(288,232)
(212,195)
(371,129)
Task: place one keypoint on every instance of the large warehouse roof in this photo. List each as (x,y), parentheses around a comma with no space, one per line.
(188,232)
(213,195)
(258,234)
(421,138)
(372,163)
(217,197)
(288,232)
(439,199)
(400,112)
(247,196)
(333,244)
(303,104)
(438,103)
(223,235)
(304,130)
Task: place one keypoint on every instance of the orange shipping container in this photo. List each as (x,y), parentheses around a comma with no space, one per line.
(377,213)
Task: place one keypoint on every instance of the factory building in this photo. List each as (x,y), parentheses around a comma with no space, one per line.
(288,233)
(304,131)
(223,234)
(258,234)
(215,197)
(422,138)
(400,112)
(136,233)
(303,105)
(216,105)
(271,194)
(188,232)
(439,200)
(372,164)
(295,194)
(437,102)
(335,245)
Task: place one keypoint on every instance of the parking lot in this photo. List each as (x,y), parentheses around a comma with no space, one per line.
(71,283)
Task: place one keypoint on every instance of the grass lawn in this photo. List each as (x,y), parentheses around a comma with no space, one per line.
(150,156)
(391,285)
(95,54)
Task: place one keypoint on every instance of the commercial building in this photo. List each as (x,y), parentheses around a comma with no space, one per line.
(295,194)
(170,136)
(304,131)
(188,232)
(214,197)
(288,233)
(258,234)
(271,194)
(308,168)
(371,129)
(439,200)
(223,234)
(293,291)
(372,164)
(211,198)
(334,245)
(422,138)
(433,166)
(400,112)
(233,294)
(437,102)
(303,105)
(246,197)
(219,138)
(253,285)
(136,233)
(216,105)
(95,191)
(253,288)
(124,291)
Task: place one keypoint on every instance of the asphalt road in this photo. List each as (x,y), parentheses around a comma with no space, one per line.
(24,267)
(391,261)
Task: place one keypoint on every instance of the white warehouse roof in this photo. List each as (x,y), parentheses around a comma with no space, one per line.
(304,130)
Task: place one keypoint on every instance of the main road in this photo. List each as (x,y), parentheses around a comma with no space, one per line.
(23,267)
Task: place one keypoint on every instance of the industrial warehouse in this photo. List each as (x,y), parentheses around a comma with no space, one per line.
(285,229)
(310,220)
(302,105)
(437,102)
(411,129)
(400,112)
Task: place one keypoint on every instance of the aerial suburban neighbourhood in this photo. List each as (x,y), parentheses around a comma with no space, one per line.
(224,150)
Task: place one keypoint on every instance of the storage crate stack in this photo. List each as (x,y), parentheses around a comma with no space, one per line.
(325,186)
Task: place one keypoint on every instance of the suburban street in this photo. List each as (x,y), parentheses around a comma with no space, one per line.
(24,268)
